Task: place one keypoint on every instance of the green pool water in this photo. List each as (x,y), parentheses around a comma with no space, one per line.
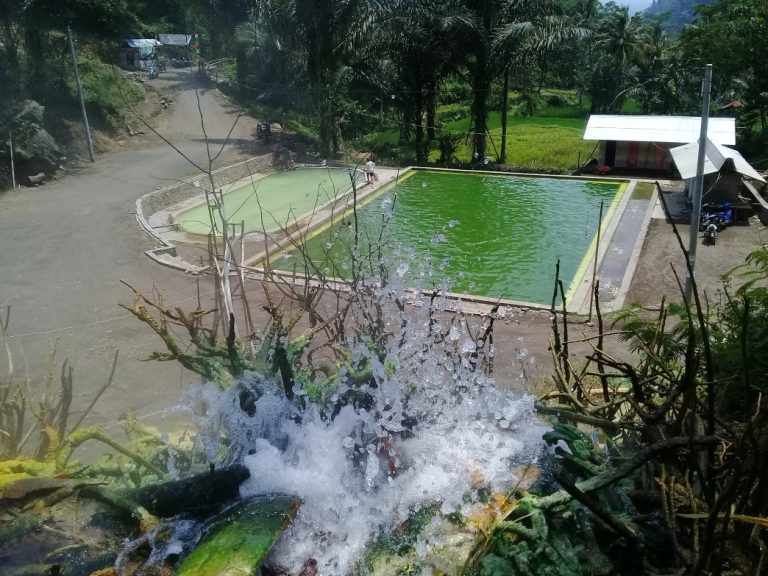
(479,234)
(278,197)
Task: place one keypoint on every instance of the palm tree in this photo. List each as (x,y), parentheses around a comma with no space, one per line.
(420,44)
(528,33)
(622,42)
(623,38)
(270,59)
(331,31)
(323,35)
(497,27)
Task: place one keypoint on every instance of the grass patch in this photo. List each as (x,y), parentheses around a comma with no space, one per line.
(535,143)
(550,140)
(101,90)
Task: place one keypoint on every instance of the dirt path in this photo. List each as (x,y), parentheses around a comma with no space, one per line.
(654,277)
(67,245)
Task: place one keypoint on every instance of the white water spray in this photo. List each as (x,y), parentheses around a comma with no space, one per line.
(431,428)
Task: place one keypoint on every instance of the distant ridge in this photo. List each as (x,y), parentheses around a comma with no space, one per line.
(680,12)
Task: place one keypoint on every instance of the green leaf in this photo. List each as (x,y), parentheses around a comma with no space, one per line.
(239,538)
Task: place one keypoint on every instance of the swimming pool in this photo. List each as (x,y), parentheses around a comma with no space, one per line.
(480,234)
(271,201)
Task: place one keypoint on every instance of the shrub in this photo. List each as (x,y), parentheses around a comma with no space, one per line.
(451,113)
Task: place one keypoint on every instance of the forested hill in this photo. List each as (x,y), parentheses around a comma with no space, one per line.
(679,12)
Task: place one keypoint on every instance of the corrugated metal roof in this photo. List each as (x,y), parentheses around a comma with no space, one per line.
(668,129)
(686,159)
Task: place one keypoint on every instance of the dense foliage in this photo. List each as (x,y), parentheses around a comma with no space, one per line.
(342,69)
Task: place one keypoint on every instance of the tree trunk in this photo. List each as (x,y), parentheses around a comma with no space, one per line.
(317,21)
(481,84)
(480,107)
(325,114)
(431,106)
(504,106)
(431,111)
(418,113)
(36,82)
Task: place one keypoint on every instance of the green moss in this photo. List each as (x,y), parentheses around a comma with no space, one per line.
(238,539)
(643,190)
(395,550)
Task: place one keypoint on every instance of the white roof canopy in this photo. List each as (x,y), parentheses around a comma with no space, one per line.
(175,39)
(686,158)
(669,129)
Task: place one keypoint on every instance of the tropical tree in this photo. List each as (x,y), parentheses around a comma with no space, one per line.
(331,31)
(498,31)
(733,36)
(667,81)
(271,62)
(621,42)
(419,48)
(526,38)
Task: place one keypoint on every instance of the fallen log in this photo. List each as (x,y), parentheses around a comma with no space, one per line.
(201,494)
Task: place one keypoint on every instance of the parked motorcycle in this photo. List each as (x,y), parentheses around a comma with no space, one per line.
(711,232)
(264,132)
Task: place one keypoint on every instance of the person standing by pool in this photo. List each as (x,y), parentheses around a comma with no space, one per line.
(370,170)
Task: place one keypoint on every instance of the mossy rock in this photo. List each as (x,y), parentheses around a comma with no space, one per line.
(237,540)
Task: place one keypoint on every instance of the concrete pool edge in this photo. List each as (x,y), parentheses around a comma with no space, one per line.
(575,292)
(325,218)
(583,294)
(252,180)
(595,254)
(165,252)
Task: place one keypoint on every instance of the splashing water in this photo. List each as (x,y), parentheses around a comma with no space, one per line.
(426,431)
(348,488)
(425,427)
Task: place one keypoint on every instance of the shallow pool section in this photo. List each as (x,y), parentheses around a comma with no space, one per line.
(273,200)
(486,235)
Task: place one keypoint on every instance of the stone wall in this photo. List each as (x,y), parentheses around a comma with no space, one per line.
(185,190)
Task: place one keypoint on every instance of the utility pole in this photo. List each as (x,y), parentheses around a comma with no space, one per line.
(594,265)
(13,168)
(80,95)
(698,183)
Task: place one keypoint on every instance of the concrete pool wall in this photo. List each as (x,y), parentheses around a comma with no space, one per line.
(578,295)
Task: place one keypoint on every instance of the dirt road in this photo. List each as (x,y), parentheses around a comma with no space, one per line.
(67,245)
